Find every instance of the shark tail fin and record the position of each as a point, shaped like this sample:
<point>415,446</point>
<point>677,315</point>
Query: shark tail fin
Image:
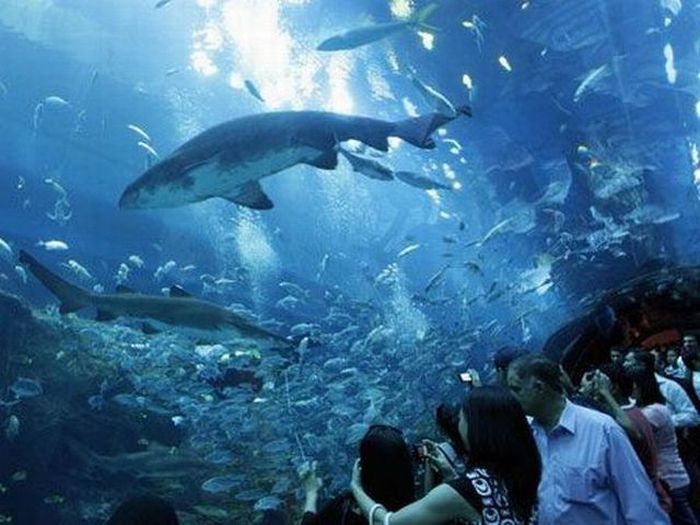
<point>419,19</point>
<point>72,297</point>
<point>417,130</point>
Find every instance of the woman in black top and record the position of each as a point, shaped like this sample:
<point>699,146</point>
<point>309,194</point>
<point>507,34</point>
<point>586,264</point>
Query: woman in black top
<point>388,476</point>
<point>503,470</point>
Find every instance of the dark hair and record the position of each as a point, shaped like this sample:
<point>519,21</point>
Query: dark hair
<point>144,510</point>
<point>387,468</point>
<point>620,349</point>
<point>505,355</point>
<point>688,356</point>
<point>500,440</point>
<point>541,368</point>
<point>646,359</point>
<point>447,420</point>
<point>647,387</point>
<point>619,378</point>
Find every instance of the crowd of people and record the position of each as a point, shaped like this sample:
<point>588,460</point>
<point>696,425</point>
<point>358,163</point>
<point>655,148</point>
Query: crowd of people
<point>621,447</point>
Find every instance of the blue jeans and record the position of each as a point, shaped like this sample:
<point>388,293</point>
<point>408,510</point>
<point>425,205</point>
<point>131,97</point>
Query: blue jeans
<point>682,512</point>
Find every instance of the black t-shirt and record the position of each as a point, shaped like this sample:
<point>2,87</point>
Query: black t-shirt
<point>488,496</point>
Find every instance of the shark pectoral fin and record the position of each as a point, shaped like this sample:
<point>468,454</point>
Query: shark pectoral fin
<point>327,160</point>
<point>178,291</point>
<point>103,315</point>
<point>252,196</point>
<point>377,139</point>
<point>123,289</point>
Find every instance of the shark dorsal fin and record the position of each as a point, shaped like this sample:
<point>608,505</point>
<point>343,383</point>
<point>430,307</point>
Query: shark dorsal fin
<point>124,289</point>
<point>178,291</point>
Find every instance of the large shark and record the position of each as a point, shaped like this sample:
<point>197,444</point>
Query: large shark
<point>229,160</point>
<point>180,309</point>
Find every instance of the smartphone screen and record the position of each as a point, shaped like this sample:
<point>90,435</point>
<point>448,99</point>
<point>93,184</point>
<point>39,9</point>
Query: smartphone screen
<point>465,377</point>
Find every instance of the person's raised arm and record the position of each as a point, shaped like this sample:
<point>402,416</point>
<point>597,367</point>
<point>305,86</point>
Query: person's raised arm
<point>439,506</point>
<point>311,484</point>
<point>601,385</point>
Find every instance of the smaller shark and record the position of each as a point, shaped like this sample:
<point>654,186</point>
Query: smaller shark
<point>180,309</point>
<point>367,35</point>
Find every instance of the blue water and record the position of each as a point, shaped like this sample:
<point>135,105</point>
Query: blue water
<point>577,171</point>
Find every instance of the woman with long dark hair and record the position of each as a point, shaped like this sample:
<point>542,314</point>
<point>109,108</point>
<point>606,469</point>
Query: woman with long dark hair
<point>388,477</point>
<point>671,470</point>
<point>503,470</point>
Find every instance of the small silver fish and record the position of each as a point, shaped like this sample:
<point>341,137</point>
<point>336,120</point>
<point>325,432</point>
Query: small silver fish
<point>148,148</point>
<point>53,245</point>
<point>437,278</point>
<point>420,181</point>
<point>408,249</point>
<point>19,270</point>
<point>367,166</point>
<point>139,131</point>
<point>434,98</point>
<point>253,90</point>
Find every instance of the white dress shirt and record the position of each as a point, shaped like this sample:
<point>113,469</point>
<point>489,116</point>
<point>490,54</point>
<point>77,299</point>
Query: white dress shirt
<point>682,409</point>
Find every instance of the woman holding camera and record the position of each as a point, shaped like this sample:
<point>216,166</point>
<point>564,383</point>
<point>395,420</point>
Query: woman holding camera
<point>503,470</point>
<point>388,477</point>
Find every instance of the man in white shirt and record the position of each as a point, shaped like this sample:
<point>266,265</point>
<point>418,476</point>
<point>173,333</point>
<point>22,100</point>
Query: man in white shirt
<point>683,411</point>
<point>591,474</point>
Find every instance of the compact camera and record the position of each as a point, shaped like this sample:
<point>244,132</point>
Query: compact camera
<point>420,451</point>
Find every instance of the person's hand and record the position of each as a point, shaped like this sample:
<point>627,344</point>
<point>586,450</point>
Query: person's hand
<point>587,386</point>
<point>356,480</point>
<point>437,459</point>
<point>310,480</point>
<point>602,383</point>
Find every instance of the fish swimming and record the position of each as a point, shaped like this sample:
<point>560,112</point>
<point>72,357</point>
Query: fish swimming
<point>420,181</point>
<point>229,160</point>
<point>78,269</point>
<point>6,251</point>
<point>408,249</point>
<point>369,167</point>
<point>253,90</point>
<point>592,79</point>
<point>180,309</point>
<point>434,98</point>
<point>367,35</point>
<point>436,279</point>
<point>53,245</point>
<point>140,132</point>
